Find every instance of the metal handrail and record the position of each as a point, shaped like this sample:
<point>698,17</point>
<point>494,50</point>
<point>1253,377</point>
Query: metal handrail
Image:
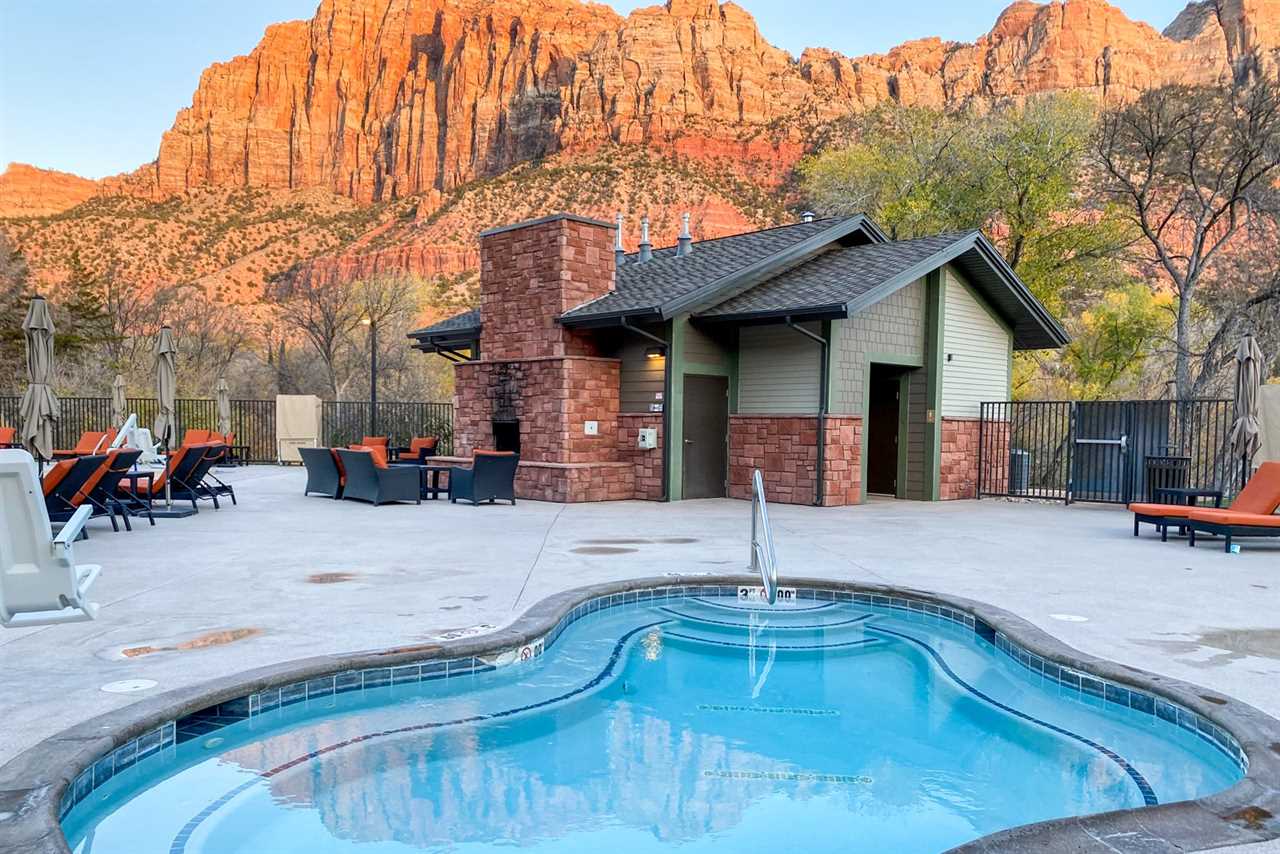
<point>763,558</point>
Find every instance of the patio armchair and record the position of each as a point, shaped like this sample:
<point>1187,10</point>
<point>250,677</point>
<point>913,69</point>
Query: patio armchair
<point>40,582</point>
<point>8,437</point>
<point>492,476</point>
<point>419,449</point>
<point>323,476</point>
<point>380,441</point>
<point>1259,498</point>
<point>366,480</point>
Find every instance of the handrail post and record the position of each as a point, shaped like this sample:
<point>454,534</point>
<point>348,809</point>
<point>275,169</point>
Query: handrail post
<point>763,558</point>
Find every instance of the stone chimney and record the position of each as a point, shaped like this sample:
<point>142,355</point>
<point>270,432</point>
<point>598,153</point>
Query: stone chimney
<point>684,244</point>
<point>530,274</point>
<point>646,248</point>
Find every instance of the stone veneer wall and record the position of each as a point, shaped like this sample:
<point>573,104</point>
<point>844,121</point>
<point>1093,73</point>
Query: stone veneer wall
<point>958,464</point>
<point>785,449</point>
<point>647,465</point>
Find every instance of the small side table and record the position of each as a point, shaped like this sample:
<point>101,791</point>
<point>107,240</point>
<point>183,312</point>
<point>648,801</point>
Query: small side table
<point>136,504</point>
<point>433,492</point>
<point>1187,496</point>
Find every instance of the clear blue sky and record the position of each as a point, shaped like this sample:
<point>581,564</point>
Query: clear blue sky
<point>88,86</point>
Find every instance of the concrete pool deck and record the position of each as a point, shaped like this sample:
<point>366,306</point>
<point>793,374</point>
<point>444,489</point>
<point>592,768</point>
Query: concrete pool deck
<point>283,577</point>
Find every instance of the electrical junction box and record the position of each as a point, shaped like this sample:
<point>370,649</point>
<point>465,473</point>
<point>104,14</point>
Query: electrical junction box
<point>648,438</point>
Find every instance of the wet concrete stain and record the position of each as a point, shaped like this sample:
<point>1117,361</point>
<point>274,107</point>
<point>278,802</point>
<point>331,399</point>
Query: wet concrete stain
<point>330,577</point>
<point>1253,817</point>
<point>617,542</point>
<point>202,642</point>
<point>602,550</point>
<point>1217,701</point>
<point>678,541</point>
<point>1230,644</point>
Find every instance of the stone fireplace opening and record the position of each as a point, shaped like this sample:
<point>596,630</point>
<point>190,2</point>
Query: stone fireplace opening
<point>506,435</point>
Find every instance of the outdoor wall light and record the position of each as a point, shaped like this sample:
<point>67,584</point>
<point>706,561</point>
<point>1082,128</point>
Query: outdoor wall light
<point>653,353</point>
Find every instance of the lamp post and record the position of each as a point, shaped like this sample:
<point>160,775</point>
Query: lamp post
<point>373,374</point>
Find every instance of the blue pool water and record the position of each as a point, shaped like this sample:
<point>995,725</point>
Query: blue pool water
<point>697,724</point>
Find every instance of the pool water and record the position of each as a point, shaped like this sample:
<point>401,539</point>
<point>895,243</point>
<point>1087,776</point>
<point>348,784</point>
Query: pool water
<point>698,724</point>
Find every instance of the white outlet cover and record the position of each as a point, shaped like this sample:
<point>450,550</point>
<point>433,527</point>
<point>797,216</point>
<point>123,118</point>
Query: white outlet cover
<point>591,428</point>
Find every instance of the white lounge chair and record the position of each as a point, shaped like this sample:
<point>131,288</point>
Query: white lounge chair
<point>40,583</point>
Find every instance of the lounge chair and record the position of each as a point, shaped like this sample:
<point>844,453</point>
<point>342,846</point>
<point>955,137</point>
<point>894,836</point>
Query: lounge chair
<point>323,476</point>
<point>8,437</point>
<point>1261,495</point>
<point>193,485</point>
<point>104,497</point>
<point>90,443</point>
<point>40,583</point>
<point>67,485</point>
<point>366,480</point>
<point>492,476</point>
<point>196,437</point>
<point>177,471</point>
<point>1252,514</point>
<point>419,449</point>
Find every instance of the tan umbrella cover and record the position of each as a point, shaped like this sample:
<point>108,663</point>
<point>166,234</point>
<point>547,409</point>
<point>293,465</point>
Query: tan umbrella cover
<point>222,398</point>
<point>40,411</point>
<point>118,402</point>
<point>1246,431</point>
<point>166,426</point>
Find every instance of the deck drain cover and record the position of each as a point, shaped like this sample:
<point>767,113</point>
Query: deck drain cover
<point>128,686</point>
<point>1069,618</point>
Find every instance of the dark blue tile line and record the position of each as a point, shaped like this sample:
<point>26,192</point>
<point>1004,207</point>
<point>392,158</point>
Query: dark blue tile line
<point>780,627</point>
<point>179,844</point>
<point>807,647</point>
<point>1148,794</point>
<point>702,601</point>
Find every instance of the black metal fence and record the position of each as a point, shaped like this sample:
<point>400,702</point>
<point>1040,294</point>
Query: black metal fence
<point>1106,451</point>
<point>344,422</point>
<point>253,421</point>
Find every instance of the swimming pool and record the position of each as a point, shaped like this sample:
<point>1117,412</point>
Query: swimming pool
<point>655,721</point>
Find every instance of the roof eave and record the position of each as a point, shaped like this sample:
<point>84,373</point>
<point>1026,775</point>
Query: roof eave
<point>610,318</point>
<point>835,311</point>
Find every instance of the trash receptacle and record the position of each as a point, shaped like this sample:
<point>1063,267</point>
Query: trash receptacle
<point>1165,471</point>
<point>1019,471</point>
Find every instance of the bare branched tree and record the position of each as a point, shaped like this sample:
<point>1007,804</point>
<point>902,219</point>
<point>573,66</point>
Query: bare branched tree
<point>1193,168</point>
<point>325,314</point>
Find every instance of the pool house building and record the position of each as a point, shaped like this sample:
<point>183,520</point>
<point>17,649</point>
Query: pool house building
<point>839,362</point>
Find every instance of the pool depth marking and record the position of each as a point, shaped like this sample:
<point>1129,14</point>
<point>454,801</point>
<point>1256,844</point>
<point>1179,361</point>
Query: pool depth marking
<point>702,601</point>
<point>782,627</point>
<point>179,844</point>
<point>1148,794</point>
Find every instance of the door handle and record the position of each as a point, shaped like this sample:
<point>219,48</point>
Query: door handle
<point>688,441</point>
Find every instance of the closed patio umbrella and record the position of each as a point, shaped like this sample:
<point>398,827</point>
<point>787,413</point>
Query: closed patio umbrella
<point>40,410</point>
<point>222,398</point>
<point>1246,431</point>
<point>118,402</point>
<point>166,426</point>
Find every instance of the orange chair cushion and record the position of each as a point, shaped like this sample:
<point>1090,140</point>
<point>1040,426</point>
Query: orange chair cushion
<point>195,437</point>
<point>84,447</point>
<point>418,445</point>
<point>378,452</point>
<point>55,475</point>
<point>1261,495</point>
<point>493,454</point>
<point>1168,511</point>
<point>157,483</point>
<point>375,440</point>
<point>342,472</point>
<point>8,435</point>
<point>92,483</point>
<point>1235,517</point>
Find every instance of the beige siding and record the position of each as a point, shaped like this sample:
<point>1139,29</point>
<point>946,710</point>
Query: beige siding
<point>703,349</point>
<point>894,325</point>
<point>777,370</point>
<point>976,350</point>
<point>641,377</point>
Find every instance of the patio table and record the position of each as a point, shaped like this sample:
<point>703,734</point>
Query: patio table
<point>1189,496</point>
<point>136,505</point>
<point>431,489</point>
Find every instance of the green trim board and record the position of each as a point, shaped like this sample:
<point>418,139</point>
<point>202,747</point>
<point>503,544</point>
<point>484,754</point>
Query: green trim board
<point>681,366</point>
<point>935,313</point>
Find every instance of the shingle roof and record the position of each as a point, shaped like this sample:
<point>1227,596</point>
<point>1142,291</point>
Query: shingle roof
<point>458,325</point>
<point>835,277</point>
<point>667,276</point>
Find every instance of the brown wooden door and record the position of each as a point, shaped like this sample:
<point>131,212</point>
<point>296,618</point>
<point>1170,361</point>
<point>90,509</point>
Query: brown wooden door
<point>882,432</point>
<point>706,436</point>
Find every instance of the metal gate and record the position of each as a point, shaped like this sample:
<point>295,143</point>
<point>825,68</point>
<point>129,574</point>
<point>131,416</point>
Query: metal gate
<point>1105,451</point>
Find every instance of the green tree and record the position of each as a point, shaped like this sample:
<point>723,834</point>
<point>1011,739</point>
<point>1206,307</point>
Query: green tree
<point>1017,172</point>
